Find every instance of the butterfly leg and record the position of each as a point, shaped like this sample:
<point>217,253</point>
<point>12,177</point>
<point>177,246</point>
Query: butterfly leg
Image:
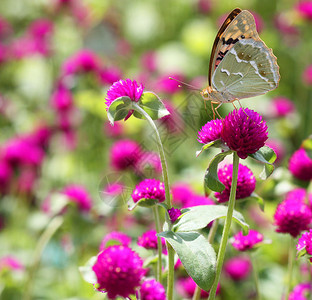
<point>212,109</point>
<point>241,107</point>
<point>216,109</point>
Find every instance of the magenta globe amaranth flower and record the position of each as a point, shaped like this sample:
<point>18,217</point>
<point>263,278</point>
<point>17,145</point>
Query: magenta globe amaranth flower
<point>148,240</point>
<point>196,200</point>
<point>300,165</point>
<point>244,131</point>
<point>246,182</point>
<point>181,193</point>
<point>174,214</point>
<point>245,242</point>
<point>124,88</point>
<point>79,195</point>
<point>119,271</point>
<point>211,131</point>
<point>149,189</point>
<point>305,242</point>
<point>304,9</point>
<point>115,237</point>
<point>301,291</point>
<point>125,154</point>
<point>292,217</point>
<point>10,262</point>
<point>238,267</point>
<point>282,107</point>
<point>152,290</point>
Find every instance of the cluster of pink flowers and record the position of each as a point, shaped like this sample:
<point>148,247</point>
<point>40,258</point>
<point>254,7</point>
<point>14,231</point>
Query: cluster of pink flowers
<point>21,158</point>
<point>149,189</point>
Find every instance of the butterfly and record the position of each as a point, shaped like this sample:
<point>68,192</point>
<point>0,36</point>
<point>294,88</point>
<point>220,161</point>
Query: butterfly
<point>241,65</point>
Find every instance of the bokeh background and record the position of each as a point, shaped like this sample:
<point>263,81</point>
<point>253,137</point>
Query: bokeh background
<point>57,60</point>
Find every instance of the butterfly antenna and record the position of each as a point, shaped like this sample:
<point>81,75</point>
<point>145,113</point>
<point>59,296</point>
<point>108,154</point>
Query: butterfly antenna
<point>186,84</point>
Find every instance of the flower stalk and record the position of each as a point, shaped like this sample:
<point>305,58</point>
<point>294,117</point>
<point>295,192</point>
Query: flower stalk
<point>227,227</point>
<point>291,257</point>
<point>159,245</point>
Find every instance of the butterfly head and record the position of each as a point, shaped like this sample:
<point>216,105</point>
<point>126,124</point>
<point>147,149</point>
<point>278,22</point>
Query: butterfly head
<point>206,93</point>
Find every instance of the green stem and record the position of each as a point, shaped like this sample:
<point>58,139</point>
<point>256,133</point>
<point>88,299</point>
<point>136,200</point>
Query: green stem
<point>161,152</point>
<point>291,256</point>
<point>45,237</point>
<point>170,278</point>
<point>159,246</point>
<point>226,229</point>
<point>196,295</point>
<point>255,274</point>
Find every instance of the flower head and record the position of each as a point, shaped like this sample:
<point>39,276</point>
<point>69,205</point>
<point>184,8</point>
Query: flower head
<point>196,200</point>
<point>238,268</point>
<point>300,165</point>
<point>246,182</point>
<point>124,88</point>
<point>79,195</point>
<point>166,85</point>
<point>148,240</point>
<point>292,217</point>
<point>186,288</point>
<point>244,131</point>
<point>11,263</point>
<point>245,242</point>
<point>181,193</point>
<point>305,241</point>
<point>149,189</point>
<point>211,131</point>
<point>282,107</point>
<point>119,271</point>
<point>174,214</point>
<point>62,98</point>
<point>300,291</point>
<point>109,75</point>
<point>125,154</point>
<point>307,74</point>
<point>152,290</point>
<point>304,9</point>
<point>115,237</point>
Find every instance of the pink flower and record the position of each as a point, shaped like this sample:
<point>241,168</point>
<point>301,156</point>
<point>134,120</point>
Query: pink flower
<point>152,290</point>
<point>114,238</point>
<point>211,131</point>
<point>238,267</point>
<point>174,214</point>
<point>148,61</point>
<point>204,6</point>
<point>292,217</point>
<point>125,154</point>
<point>109,75</point>
<point>124,88</point>
<point>300,165</point>
<point>6,173</point>
<point>149,164</point>
<point>181,193</point>
<point>148,240</point>
<point>173,122</point>
<point>305,241</point>
<point>244,131</point>
<point>119,271</point>
<point>246,182</point>
<point>62,99</point>
<point>79,195</point>
<point>186,288</point>
<point>115,130</point>
<point>246,242</point>
<point>196,200</point>
<point>300,291</point>
<point>307,75</point>
<point>11,263</point>
<point>282,107</point>
<point>166,85</point>
<point>149,189</point>
<point>82,61</point>
<point>40,28</point>
<point>304,9</point>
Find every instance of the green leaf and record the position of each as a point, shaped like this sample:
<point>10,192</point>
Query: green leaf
<point>254,197</point>
<point>215,144</point>
<point>86,271</point>
<point>307,145</point>
<point>211,180</point>
<point>301,252</point>
<point>267,156</point>
<point>119,109</point>
<point>196,254</point>
<point>142,202</point>
<point>152,105</point>
<point>198,217</point>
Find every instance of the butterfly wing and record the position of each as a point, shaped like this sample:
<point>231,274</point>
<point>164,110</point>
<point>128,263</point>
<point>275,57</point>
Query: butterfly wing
<point>248,69</point>
<point>237,26</point>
